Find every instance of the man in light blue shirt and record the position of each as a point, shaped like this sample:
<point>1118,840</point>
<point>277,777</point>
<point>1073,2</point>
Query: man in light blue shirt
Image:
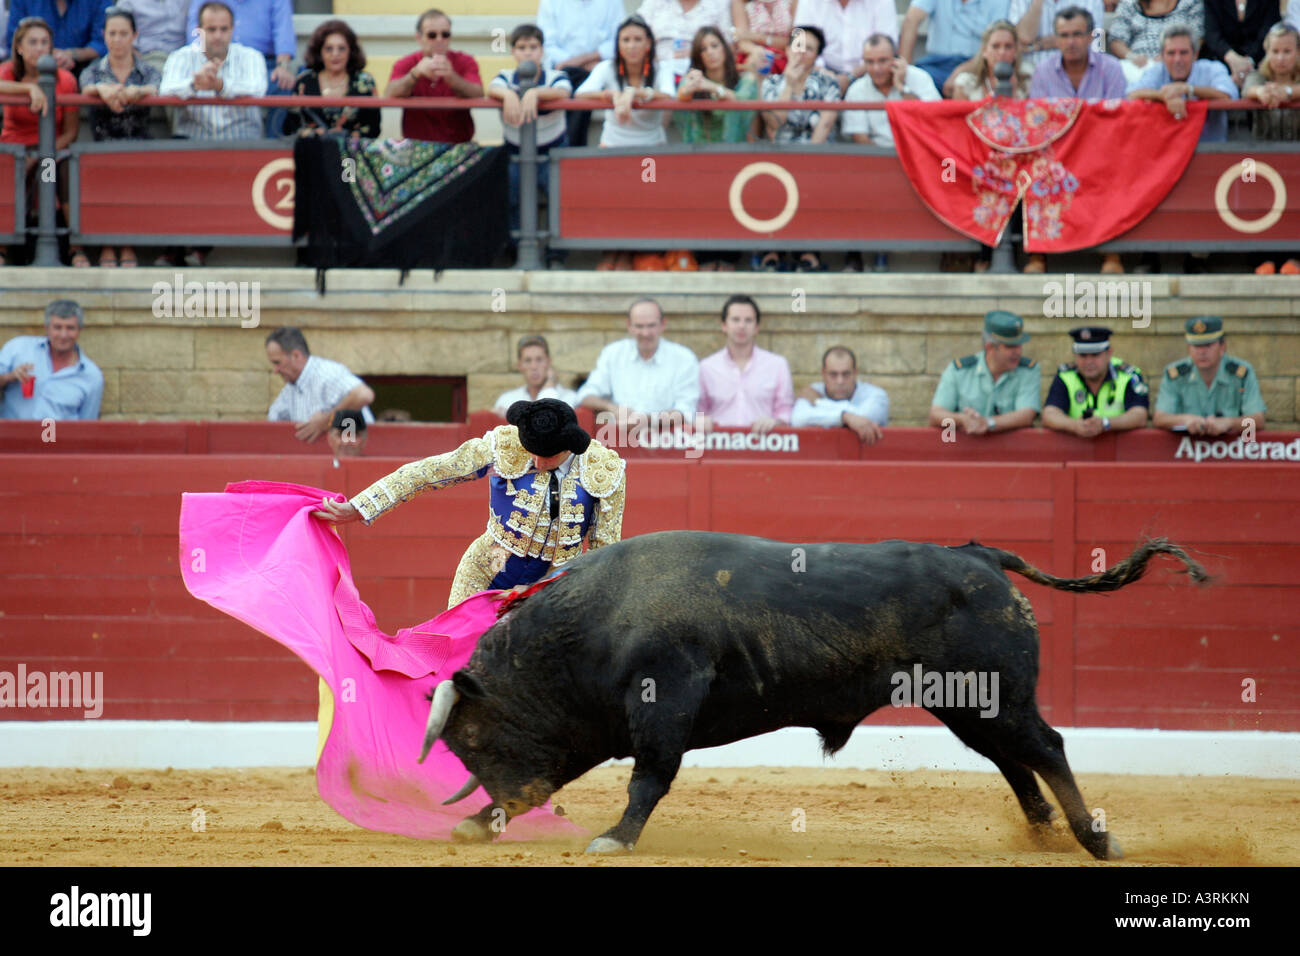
<point>1076,70</point>
<point>955,31</point>
<point>1179,76</point>
<point>840,399</point>
<point>63,383</point>
<point>579,34</point>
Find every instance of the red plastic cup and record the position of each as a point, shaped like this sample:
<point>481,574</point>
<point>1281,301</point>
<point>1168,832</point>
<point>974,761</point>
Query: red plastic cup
<point>29,387</point>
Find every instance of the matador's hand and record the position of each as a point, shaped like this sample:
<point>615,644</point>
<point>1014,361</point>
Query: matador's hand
<point>339,512</point>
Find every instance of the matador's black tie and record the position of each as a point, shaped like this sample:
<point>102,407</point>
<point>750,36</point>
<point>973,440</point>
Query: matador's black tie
<point>554,491</point>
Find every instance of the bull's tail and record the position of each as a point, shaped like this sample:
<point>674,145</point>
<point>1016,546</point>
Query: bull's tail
<point>1113,578</point>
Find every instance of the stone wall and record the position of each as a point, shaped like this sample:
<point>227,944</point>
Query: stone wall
<point>903,327</point>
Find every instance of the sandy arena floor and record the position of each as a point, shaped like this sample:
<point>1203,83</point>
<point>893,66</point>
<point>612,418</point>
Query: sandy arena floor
<point>711,818</point>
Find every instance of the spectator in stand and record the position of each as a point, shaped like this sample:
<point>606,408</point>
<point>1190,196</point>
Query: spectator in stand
<point>315,388</point>
<point>954,37</point>
<point>335,65</point>
<point>1096,393</point>
<point>631,77</point>
<point>715,75</point>
<point>215,66</point>
<point>32,40</point>
<point>265,26</point>
<point>889,77</point>
<point>742,385</point>
<point>674,24</point>
<point>1277,81</point>
<point>1209,392</point>
<point>526,45</point>
<point>644,374</point>
<point>1137,25</point>
<point>762,29</point>
<point>49,376</point>
<point>579,34</point>
<point>998,45</point>
<point>1179,76</point>
<point>76,28</point>
<point>1235,31</point>
<point>436,70</point>
<point>534,363</point>
<point>161,26</point>
<point>802,80</point>
<point>120,79</point>
<point>840,399</point>
<point>998,391</point>
<point>1035,24</point>
<point>846,24</point>
<point>347,435</point>
<point>1077,70</point>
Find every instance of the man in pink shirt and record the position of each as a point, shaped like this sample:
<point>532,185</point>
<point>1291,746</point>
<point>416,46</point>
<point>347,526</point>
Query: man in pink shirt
<point>743,386</point>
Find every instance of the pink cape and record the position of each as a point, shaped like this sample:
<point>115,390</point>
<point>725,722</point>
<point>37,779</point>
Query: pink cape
<point>256,553</point>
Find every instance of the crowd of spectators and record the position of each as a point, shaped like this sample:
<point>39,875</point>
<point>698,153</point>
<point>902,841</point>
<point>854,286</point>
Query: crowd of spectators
<point>811,51</point>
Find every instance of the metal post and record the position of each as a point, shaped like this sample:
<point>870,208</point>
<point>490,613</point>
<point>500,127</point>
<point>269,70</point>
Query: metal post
<point>1004,255</point>
<point>47,236</point>
<point>528,252</point>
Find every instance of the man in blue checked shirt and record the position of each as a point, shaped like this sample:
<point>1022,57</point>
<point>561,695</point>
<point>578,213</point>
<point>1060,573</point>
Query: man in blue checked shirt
<point>78,30</point>
<point>48,376</point>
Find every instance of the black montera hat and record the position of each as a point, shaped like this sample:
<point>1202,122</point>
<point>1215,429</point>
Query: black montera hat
<point>548,427</point>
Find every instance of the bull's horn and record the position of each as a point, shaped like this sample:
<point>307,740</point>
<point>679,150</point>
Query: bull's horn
<point>445,696</point>
<point>470,786</point>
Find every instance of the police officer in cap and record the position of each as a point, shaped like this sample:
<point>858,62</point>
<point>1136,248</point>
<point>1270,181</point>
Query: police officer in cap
<point>1096,392</point>
<point>994,392</point>
<point>1210,392</point>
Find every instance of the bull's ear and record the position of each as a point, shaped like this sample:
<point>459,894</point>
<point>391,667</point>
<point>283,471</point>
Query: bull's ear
<point>468,685</point>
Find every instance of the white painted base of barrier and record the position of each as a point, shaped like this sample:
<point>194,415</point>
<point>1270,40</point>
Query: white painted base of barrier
<point>200,745</point>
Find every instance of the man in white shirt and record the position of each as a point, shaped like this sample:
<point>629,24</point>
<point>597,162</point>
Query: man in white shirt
<point>889,77</point>
<point>216,66</point>
<point>645,374</point>
<point>840,399</point>
<point>534,363</point>
<point>315,388</point>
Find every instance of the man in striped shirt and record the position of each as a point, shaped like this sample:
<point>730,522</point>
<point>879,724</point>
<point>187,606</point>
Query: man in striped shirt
<point>215,66</point>
<point>315,388</point>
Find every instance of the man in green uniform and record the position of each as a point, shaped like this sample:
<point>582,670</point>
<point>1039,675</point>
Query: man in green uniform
<point>1096,392</point>
<point>994,392</point>
<point>1211,392</point>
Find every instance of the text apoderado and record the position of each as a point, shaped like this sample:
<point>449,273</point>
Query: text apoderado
<point>1202,450</point>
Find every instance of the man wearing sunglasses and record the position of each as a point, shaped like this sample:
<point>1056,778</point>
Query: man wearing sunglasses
<point>436,70</point>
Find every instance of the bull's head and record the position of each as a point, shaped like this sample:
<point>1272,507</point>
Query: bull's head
<point>510,763</point>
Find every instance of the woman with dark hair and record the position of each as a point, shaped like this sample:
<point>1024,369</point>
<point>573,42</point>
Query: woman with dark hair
<point>121,79</point>
<point>335,66</point>
<point>631,77</point>
<point>33,39</point>
<point>552,487</point>
<point>714,75</point>
<point>1235,31</point>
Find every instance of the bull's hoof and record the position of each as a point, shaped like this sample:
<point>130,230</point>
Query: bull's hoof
<point>604,844</point>
<point>1114,850</point>
<point>471,831</point>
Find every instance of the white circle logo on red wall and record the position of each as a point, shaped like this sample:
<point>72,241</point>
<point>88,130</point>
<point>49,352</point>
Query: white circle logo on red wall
<point>277,209</point>
<point>1230,218</point>
<point>781,175</point>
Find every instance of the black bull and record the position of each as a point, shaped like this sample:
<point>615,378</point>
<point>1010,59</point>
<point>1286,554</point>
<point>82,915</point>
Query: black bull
<point>669,642</point>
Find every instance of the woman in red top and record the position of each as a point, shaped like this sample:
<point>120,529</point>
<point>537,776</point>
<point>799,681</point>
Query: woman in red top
<point>32,40</point>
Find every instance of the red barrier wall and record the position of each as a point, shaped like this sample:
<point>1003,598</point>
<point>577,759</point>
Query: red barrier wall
<point>89,577</point>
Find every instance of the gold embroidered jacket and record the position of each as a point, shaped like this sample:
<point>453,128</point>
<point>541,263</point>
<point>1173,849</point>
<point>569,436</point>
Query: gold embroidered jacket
<point>591,494</point>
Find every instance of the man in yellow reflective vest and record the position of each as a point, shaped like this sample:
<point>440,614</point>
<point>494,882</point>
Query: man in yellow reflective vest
<point>1096,393</point>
